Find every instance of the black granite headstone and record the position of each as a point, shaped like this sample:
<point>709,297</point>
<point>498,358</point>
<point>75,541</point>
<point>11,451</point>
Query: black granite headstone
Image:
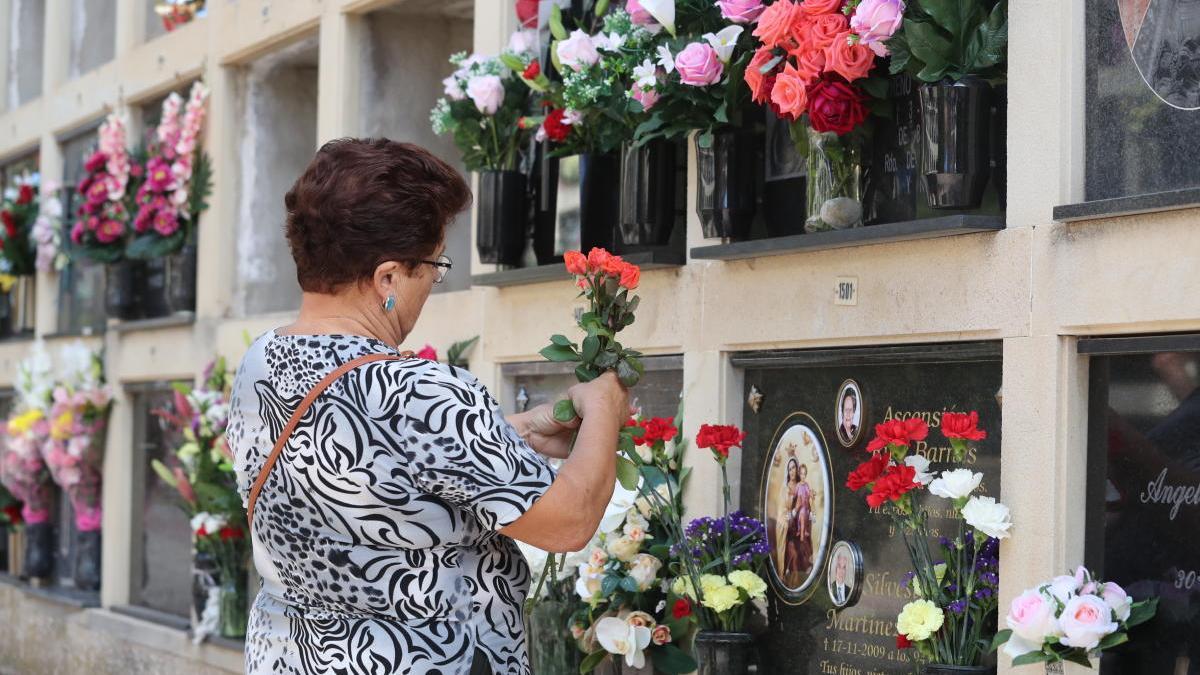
<point>803,401</point>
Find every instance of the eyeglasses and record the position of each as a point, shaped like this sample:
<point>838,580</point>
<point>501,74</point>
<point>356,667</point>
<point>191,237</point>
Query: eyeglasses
<point>443,265</point>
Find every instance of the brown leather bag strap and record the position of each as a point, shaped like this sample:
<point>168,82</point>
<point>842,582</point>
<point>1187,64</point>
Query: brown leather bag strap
<point>295,419</point>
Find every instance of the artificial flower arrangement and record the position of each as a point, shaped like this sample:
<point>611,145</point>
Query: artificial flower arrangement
<point>18,211</point>
<point>22,469</point>
<point>100,230</point>
<point>47,229</point>
<point>952,618</point>
<point>78,416</point>
<point>1072,618</point>
<point>481,110</point>
<point>177,179</point>
<point>175,13</point>
<point>630,613</point>
<point>942,39</point>
<point>202,473</point>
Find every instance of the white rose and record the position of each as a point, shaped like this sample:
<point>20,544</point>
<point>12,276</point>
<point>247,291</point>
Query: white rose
<point>453,89</point>
<point>487,91</point>
<point>588,583</point>
<point>1063,587</point>
<point>644,570</point>
<point>921,465</point>
<point>1118,600</point>
<point>645,454</point>
<point>624,548</point>
<point>634,519</point>
<point>523,41</point>
<point>988,516</point>
<point>955,484</point>
<point>578,51</point>
<point>1085,621</point>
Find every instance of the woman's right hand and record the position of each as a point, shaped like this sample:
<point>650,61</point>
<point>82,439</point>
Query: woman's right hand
<point>603,397</point>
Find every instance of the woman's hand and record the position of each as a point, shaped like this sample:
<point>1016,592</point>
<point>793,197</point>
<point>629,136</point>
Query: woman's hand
<point>545,434</point>
<point>602,398</point>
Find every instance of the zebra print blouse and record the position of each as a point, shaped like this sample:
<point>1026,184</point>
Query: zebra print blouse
<point>375,534</point>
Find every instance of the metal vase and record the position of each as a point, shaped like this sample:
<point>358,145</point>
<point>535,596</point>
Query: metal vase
<point>649,188</point>
<point>955,128</point>
<point>121,282</point>
<point>500,224</point>
<point>722,653</point>
<point>726,197</point>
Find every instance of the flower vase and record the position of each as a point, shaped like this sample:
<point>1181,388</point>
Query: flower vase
<point>834,182</point>
<point>722,653</point>
<point>940,669</point>
<point>87,561</point>
<point>6,314</point>
<point>121,290</point>
<point>181,279</point>
<point>204,575</point>
<point>651,184</point>
<point>154,288</point>
<point>726,198</point>
<point>551,649</point>
<point>955,126</point>
<point>599,200</point>
<point>500,219</point>
<point>39,550</point>
<point>233,605</point>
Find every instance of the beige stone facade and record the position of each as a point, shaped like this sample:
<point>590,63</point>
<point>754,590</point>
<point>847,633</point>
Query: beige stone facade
<point>1036,286</point>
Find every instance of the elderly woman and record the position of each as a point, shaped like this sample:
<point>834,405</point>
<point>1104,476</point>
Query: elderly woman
<point>383,515</point>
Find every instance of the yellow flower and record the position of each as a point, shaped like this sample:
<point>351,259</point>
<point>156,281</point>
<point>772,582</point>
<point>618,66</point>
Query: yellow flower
<point>60,429</point>
<point>711,582</point>
<point>919,620</point>
<point>23,423</point>
<point>682,587</point>
<point>750,582</point>
<point>7,281</point>
<point>722,598</point>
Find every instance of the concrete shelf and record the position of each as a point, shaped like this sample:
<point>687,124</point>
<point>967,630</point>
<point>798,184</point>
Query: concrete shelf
<point>944,226</point>
<point>647,260</point>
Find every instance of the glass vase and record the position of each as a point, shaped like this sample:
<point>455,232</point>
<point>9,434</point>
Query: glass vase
<point>552,651</point>
<point>723,653</point>
<point>834,182</point>
<point>233,605</point>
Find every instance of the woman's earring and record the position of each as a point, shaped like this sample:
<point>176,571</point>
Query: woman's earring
<point>390,303</point>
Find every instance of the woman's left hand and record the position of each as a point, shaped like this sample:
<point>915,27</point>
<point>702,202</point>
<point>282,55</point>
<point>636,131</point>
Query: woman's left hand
<point>544,433</point>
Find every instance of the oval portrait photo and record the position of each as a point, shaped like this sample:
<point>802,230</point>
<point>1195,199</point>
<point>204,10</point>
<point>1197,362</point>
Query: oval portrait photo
<point>797,489</point>
<point>849,413</point>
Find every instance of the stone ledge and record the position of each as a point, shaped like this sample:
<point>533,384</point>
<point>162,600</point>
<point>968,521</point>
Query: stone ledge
<point>152,634</point>
<point>1128,206</point>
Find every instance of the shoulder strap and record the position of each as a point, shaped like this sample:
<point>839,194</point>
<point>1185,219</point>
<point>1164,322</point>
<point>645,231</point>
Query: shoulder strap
<point>295,419</point>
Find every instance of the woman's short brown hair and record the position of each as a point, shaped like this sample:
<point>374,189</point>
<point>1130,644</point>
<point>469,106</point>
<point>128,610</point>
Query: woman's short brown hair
<point>363,202</point>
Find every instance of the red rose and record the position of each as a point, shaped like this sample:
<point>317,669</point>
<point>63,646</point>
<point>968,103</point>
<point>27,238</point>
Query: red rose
<point>657,429</point>
<point>556,130</point>
<point>428,353</point>
<point>758,81</point>
<point>25,195</point>
<point>898,432</point>
<point>230,532</point>
<point>576,263</point>
<point>868,471</point>
<point>532,70</point>
<point>835,106</point>
<point>682,609</point>
<point>13,513</point>
<point>893,485</point>
<point>10,224</point>
<point>527,13</point>
<point>631,276</point>
<point>201,532</point>
<point>962,425</point>
<point>902,642</point>
<point>719,439</point>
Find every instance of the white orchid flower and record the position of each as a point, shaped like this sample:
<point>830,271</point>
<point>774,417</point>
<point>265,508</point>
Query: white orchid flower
<point>666,59</point>
<point>609,43</point>
<point>724,41</point>
<point>614,515</point>
<point>617,636</point>
<point>663,12</point>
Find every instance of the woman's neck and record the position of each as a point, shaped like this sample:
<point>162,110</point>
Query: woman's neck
<point>345,313</point>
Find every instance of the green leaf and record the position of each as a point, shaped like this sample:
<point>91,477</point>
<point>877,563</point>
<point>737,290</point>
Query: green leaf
<point>672,660</point>
<point>955,16</point>
<point>564,411</point>
<point>1113,639</point>
<point>455,354</point>
<point>629,584</point>
<point>1141,612</point>
<point>877,86</point>
<point>722,113</point>
<point>627,374</point>
<point>561,341</point>
<point>1077,656</point>
<point>559,354</point>
<point>556,25</point>
<point>607,360</point>
<point>900,53</point>
<point>627,473</point>
<point>592,660</point>
<point>1001,638</point>
<point>661,551</point>
<point>164,474</point>
<point>586,373</point>
<point>512,62</point>
<point>152,245</point>
<point>609,584</point>
<point>1031,657</point>
<point>988,44</point>
<point>931,46</point>
<point>601,8</point>
<point>591,348</point>
<point>705,140</point>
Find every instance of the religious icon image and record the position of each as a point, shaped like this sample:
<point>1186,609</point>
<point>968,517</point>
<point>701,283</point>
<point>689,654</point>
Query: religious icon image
<point>849,413</point>
<point>797,492</point>
<point>843,578</point>
<point>1164,42</point>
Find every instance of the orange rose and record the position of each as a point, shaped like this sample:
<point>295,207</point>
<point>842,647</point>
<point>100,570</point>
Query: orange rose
<point>814,7</point>
<point>755,78</point>
<point>576,263</point>
<point>613,266</point>
<point>851,61</point>
<point>810,65</point>
<point>826,28</point>
<point>631,276</point>
<point>596,259</point>
<point>775,23</point>
<point>789,93</point>
<point>801,37</point>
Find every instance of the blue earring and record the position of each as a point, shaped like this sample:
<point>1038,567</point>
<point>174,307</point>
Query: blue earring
<point>390,303</point>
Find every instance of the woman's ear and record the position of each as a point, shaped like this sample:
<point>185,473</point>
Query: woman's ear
<point>386,281</point>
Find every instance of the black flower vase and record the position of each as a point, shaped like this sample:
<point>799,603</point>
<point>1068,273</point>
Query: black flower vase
<point>599,200</point>
<point>121,289</point>
<point>500,224</point>
<point>181,279</point>
<point>3,548</point>
<point>955,128</point>
<point>87,561</point>
<point>546,234</point>
<point>999,144</point>
<point>722,653</point>
<point>650,185</point>
<point>154,288</point>
<point>726,172</point>
<point>39,551</point>
<point>6,314</point>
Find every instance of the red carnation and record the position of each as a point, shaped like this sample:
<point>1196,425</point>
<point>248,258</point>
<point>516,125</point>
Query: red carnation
<point>868,471</point>
<point>682,609</point>
<point>835,106</point>
<point>902,641</point>
<point>25,195</point>
<point>13,513</point>
<point>657,429</point>
<point>962,425</point>
<point>898,432</point>
<point>10,224</point>
<point>893,485</point>
<point>532,70</point>
<point>229,532</point>
<point>556,129</point>
<point>719,439</point>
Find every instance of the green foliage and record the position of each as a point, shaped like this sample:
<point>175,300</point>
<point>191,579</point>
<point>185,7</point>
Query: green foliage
<point>952,39</point>
<point>150,245</point>
<point>457,354</point>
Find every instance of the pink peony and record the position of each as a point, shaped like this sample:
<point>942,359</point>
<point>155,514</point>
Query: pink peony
<point>95,162</point>
<point>741,11</point>
<point>1085,621</point>
<point>487,92</point>
<point>578,51</point>
<point>109,231</point>
<point>158,175</point>
<point>647,97</point>
<point>699,65</point>
<point>166,223</point>
<point>428,353</point>
<point>637,13</point>
<point>875,21</point>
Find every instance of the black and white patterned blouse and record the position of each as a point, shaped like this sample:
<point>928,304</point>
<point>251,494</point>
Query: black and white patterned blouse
<point>375,534</point>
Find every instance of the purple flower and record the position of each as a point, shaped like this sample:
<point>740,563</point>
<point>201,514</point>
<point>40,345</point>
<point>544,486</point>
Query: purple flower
<point>958,606</point>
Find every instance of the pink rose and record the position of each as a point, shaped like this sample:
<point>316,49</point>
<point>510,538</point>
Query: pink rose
<point>647,97</point>
<point>1031,618</point>
<point>638,14</point>
<point>428,353</point>
<point>1085,621</point>
<point>487,92</point>
<point>1118,600</point>
<point>578,51</point>
<point>661,635</point>
<point>741,11</point>
<point>876,20</point>
<point>699,65</point>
